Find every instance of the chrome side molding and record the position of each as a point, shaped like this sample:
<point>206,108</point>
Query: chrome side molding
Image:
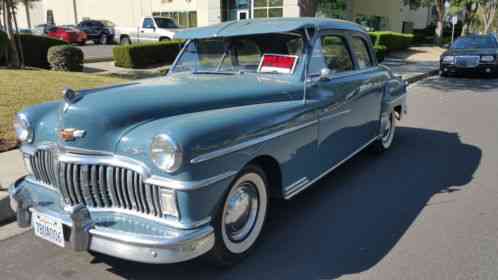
<point>247,144</point>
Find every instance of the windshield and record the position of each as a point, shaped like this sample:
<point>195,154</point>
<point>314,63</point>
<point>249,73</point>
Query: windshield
<point>475,43</point>
<point>165,22</point>
<point>236,54</point>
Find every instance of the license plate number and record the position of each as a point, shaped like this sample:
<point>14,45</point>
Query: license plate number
<point>48,229</point>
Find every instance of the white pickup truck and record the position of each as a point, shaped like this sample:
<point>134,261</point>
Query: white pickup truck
<point>151,29</point>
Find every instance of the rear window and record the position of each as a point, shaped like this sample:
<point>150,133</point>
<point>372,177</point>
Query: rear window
<point>475,43</point>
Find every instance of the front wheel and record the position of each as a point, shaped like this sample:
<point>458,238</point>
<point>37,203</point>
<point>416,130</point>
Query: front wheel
<point>241,217</point>
<point>388,131</point>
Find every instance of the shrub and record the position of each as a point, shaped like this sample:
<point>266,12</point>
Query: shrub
<point>380,52</point>
<point>65,58</point>
<point>4,46</point>
<point>146,55</point>
<point>35,49</point>
<point>391,40</point>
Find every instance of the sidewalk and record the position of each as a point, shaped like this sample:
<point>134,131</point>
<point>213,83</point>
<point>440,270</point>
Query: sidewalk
<point>11,169</point>
<point>415,63</point>
<point>107,68</point>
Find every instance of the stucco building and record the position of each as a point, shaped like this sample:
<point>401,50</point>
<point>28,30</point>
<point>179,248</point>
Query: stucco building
<point>380,14</point>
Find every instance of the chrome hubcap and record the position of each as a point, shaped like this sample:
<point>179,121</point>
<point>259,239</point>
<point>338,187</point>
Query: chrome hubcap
<point>241,212</point>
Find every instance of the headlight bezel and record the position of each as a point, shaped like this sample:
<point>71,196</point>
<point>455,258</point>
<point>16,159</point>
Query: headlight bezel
<point>163,145</point>
<point>448,59</point>
<point>23,128</point>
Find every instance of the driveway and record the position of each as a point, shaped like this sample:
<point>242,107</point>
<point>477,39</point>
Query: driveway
<point>94,52</point>
<point>424,210</point>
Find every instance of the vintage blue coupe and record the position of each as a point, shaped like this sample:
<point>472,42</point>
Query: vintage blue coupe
<point>167,169</point>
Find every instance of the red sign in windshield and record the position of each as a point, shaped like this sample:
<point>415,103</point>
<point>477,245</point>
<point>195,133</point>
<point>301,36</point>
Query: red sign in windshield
<point>276,63</point>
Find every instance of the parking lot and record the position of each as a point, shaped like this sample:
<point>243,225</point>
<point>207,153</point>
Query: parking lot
<point>425,210</point>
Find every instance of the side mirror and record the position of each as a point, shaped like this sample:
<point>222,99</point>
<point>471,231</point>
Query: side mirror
<point>325,74</point>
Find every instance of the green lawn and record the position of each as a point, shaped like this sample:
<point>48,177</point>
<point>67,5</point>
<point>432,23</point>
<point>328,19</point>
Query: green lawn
<point>23,88</point>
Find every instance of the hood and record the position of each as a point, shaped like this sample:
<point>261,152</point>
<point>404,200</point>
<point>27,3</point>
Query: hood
<point>106,114</point>
<point>471,52</point>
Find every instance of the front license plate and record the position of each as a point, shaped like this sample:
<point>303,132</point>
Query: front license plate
<point>48,229</point>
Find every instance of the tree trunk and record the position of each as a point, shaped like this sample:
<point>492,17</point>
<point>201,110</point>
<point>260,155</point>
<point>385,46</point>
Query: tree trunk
<point>440,11</point>
<point>28,15</point>
<point>307,8</point>
<point>13,57</point>
<point>488,15</point>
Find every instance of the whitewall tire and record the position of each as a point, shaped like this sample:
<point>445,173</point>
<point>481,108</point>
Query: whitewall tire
<point>241,217</point>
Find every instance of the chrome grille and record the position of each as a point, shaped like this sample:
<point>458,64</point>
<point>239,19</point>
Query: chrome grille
<point>467,61</point>
<point>97,186</point>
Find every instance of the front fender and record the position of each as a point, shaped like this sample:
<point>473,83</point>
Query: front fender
<point>42,118</point>
<point>216,141</point>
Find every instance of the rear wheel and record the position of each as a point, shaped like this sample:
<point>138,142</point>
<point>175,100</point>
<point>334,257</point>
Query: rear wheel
<point>241,217</point>
<point>387,134</point>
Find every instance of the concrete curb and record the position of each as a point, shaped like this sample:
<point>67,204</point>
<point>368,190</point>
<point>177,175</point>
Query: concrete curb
<point>423,76</point>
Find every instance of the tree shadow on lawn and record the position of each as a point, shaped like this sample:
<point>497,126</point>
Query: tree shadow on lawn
<point>348,221</point>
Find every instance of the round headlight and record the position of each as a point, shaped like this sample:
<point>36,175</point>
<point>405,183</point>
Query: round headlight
<point>23,129</point>
<point>165,153</point>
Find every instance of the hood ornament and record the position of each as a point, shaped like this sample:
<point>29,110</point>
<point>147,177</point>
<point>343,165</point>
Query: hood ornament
<point>71,96</point>
<point>71,134</point>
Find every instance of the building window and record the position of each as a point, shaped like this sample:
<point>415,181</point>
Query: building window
<point>268,8</point>
<point>184,19</point>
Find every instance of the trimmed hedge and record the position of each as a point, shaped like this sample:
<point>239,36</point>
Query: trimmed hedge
<point>380,52</point>
<point>66,58</point>
<point>4,45</point>
<point>35,49</point>
<point>146,55</point>
<point>391,40</point>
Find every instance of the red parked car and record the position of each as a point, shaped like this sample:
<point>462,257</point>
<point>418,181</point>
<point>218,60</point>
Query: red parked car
<point>69,35</point>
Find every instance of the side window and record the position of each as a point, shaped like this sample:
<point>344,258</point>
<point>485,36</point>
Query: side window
<point>360,50</point>
<point>331,52</point>
<point>148,23</point>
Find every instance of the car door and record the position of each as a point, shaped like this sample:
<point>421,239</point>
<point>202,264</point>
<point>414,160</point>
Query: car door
<point>335,87</point>
<point>366,104</point>
<point>148,30</point>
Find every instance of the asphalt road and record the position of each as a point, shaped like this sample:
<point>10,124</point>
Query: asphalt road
<point>427,209</point>
<point>92,51</point>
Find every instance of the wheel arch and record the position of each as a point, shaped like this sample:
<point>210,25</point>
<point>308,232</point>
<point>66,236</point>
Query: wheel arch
<point>273,173</point>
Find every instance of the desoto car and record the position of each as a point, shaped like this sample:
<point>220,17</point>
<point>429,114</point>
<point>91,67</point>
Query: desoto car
<point>167,169</point>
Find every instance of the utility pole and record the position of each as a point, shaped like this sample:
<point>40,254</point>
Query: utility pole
<point>75,9</point>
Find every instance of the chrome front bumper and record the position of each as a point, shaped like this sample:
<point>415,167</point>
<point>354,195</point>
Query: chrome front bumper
<point>117,234</point>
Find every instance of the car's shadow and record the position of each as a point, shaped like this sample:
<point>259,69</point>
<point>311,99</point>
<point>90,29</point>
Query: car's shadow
<point>348,221</point>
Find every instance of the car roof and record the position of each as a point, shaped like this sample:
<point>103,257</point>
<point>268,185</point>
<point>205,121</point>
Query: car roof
<point>265,26</point>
